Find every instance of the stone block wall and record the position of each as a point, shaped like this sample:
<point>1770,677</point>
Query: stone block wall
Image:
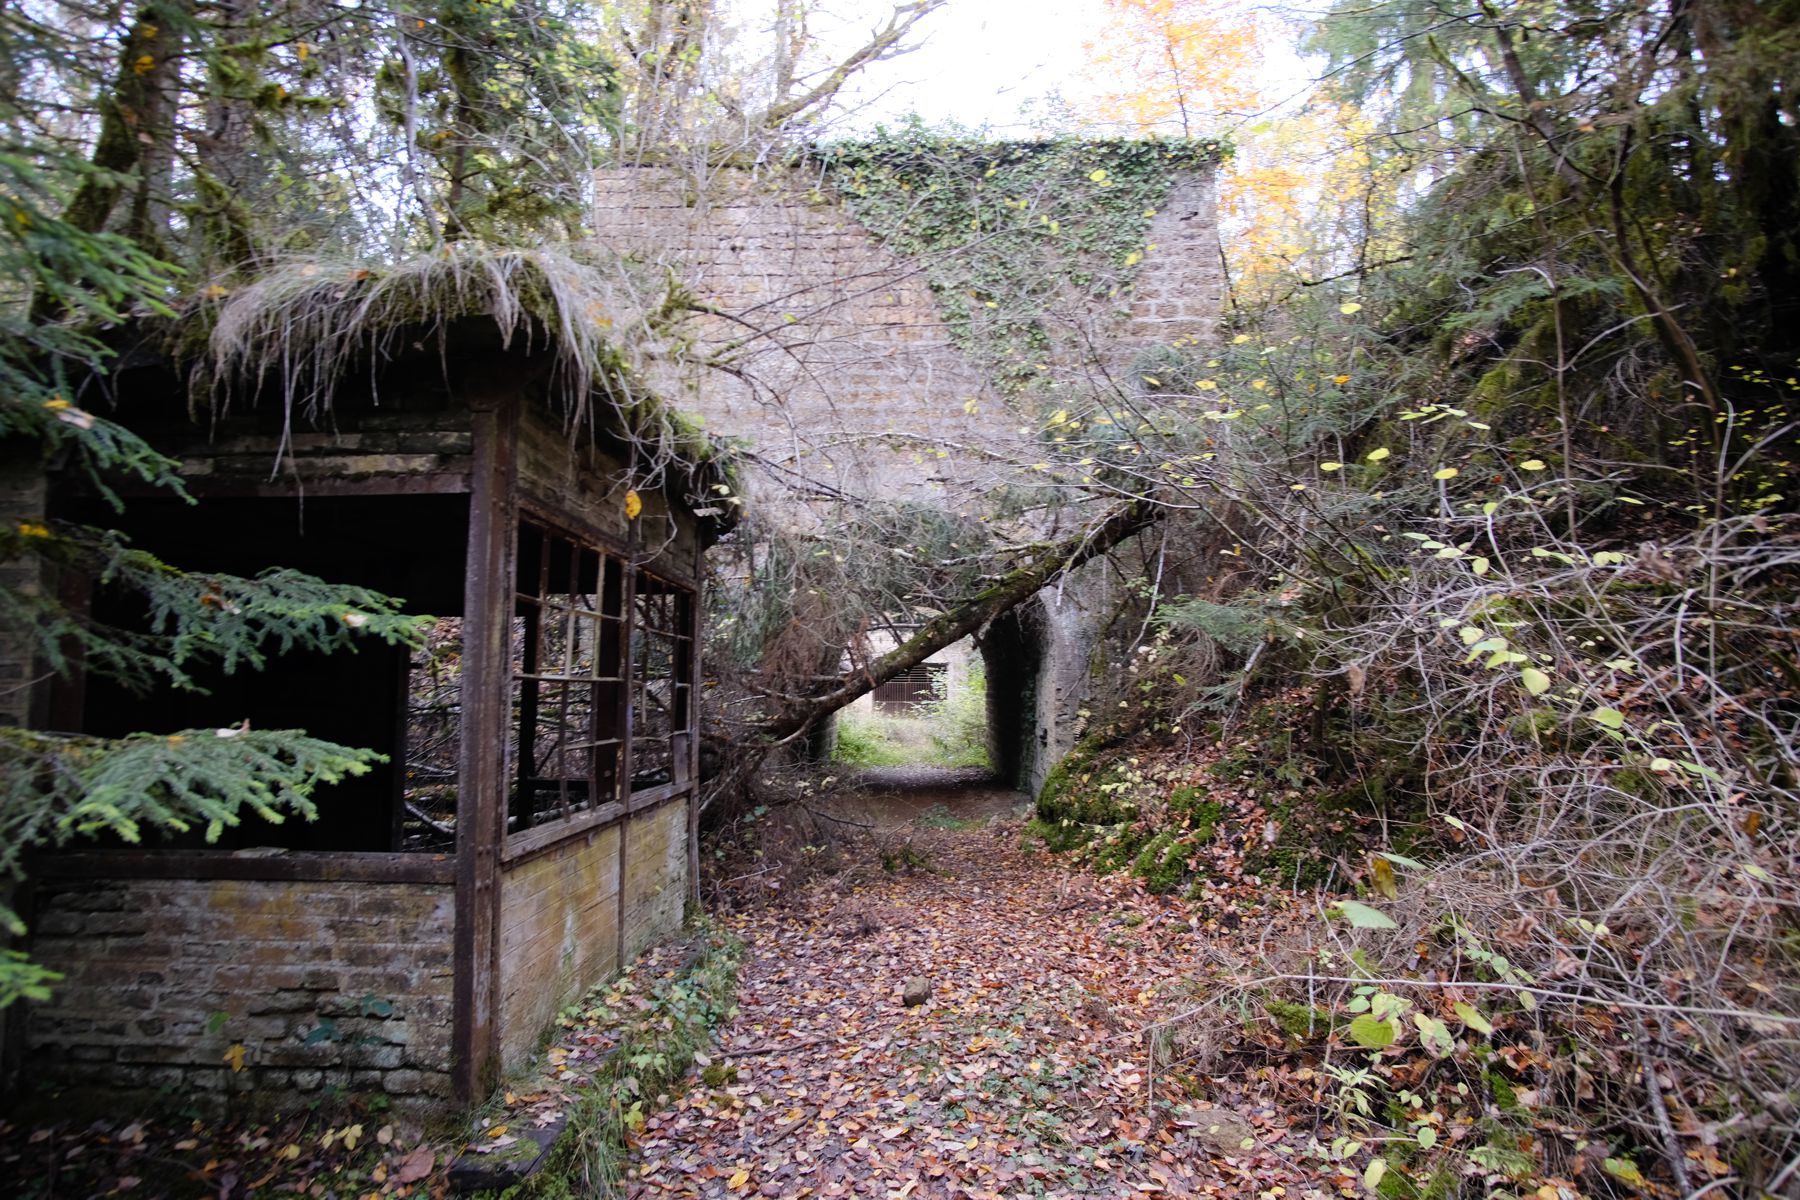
<point>850,376</point>
<point>846,369</point>
<point>1179,293</point>
<point>162,978</point>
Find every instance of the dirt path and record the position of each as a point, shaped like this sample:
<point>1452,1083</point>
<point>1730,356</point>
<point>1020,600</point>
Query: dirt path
<point>1025,1072</point>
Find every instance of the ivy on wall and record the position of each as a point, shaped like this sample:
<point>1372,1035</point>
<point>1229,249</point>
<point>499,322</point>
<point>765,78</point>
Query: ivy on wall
<point>1013,238</point>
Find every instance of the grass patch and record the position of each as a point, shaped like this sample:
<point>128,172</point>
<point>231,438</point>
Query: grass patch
<point>940,817</point>
<point>949,730</point>
<point>657,1044</point>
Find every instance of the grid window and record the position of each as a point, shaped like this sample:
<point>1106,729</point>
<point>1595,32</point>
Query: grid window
<point>662,675</point>
<point>568,680</point>
<point>602,680</point>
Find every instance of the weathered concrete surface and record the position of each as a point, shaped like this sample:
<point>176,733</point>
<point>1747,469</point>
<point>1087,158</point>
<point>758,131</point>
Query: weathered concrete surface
<point>559,931</point>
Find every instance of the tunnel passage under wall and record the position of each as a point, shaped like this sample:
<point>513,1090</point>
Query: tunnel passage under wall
<point>1011,652</point>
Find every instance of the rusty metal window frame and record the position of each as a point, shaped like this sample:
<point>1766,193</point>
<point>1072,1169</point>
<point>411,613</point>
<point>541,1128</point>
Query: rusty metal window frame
<point>601,686</point>
<point>568,678</point>
<point>662,684</point>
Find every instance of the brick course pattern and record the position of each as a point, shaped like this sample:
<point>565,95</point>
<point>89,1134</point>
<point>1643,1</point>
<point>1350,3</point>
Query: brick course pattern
<point>848,370</point>
<point>164,977</point>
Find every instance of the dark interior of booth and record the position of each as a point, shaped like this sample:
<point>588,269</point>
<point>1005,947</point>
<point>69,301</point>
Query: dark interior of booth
<point>413,547</point>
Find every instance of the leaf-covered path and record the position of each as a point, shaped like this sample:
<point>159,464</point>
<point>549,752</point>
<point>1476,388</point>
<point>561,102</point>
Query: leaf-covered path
<point>1026,1072</point>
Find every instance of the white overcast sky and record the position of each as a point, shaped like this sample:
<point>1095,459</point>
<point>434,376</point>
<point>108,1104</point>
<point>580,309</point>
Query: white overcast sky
<point>981,61</point>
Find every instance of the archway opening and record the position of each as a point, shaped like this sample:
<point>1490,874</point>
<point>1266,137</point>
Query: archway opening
<point>933,715</point>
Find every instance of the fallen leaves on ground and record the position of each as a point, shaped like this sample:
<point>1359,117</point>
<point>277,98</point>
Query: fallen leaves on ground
<point>304,1155</point>
<point>1025,1073</point>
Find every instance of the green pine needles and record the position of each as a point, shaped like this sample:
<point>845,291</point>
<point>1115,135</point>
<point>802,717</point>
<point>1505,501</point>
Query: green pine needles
<point>56,788</point>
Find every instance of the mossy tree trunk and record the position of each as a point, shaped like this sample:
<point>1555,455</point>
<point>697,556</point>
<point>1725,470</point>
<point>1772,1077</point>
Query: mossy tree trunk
<point>799,715</point>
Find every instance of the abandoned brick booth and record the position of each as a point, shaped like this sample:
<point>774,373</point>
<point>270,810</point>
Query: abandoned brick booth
<point>533,828</point>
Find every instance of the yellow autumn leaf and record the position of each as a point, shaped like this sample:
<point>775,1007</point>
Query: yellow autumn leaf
<point>1098,176</point>
<point>1378,455</point>
<point>1134,258</point>
<point>737,1181</point>
<point>1240,339</point>
<point>1206,385</point>
<point>1340,380</point>
<point>1532,464</point>
<point>1350,310</point>
<point>1331,466</point>
<point>234,1056</point>
<point>1445,473</point>
<point>1383,872</point>
<point>634,504</point>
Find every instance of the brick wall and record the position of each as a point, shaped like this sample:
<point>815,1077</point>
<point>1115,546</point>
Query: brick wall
<point>851,374</point>
<point>848,372</point>
<point>853,378</point>
<point>1179,292</point>
<point>163,977</point>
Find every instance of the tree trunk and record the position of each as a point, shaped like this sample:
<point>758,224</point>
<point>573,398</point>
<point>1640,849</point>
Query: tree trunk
<point>799,715</point>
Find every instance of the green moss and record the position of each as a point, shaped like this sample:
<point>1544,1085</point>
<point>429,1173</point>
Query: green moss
<point>1072,807</point>
<point>1161,863</point>
<point>1444,1183</point>
<point>1299,1021</point>
<point>1117,849</point>
<point>1203,820</point>
<point>1505,1099</point>
<point>1397,1185</point>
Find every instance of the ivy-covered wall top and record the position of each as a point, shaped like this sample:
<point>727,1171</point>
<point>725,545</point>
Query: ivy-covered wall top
<point>1014,238</point>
